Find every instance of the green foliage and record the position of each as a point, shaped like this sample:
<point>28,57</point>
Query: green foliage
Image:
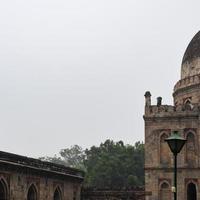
<point>55,159</point>
<point>70,157</point>
<point>111,165</point>
<point>115,165</point>
<point>73,157</point>
<point>132,180</point>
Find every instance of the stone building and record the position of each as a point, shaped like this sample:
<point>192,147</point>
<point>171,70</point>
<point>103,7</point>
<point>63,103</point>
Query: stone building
<point>184,117</point>
<point>23,178</point>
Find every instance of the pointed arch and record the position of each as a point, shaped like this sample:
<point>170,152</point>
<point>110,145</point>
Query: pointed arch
<point>57,194</point>
<point>3,189</point>
<point>32,193</point>
<point>190,149</point>
<point>188,104</point>
<point>191,191</point>
<point>165,192</point>
<point>165,158</point>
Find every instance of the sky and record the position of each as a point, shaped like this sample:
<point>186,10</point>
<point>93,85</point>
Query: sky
<point>75,71</point>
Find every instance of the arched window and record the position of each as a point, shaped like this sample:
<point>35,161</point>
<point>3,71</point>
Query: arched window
<point>191,192</point>
<point>164,151</point>
<point>57,194</point>
<point>32,193</point>
<point>190,149</point>
<point>3,190</point>
<point>165,192</point>
<point>188,105</point>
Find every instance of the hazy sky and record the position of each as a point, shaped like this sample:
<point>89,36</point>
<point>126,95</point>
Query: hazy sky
<point>75,71</point>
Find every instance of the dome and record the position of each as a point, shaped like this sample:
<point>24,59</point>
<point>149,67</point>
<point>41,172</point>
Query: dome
<point>191,58</point>
<point>193,49</point>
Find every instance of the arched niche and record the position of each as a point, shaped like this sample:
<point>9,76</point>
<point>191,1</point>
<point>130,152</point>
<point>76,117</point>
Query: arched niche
<point>57,194</point>
<point>165,192</point>
<point>3,190</point>
<point>188,104</point>
<point>190,149</point>
<point>191,191</point>
<point>165,158</point>
<point>32,193</point>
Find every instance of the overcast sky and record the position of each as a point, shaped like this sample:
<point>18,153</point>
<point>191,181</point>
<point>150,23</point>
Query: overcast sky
<point>75,71</point>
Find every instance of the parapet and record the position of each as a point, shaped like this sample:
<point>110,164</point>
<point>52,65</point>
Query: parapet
<point>186,82</point>
<point>170,111</point>
<point>24,162</point>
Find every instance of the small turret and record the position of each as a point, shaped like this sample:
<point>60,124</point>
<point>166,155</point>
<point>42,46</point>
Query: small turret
<point>159,101</point>
<point>147,98</point>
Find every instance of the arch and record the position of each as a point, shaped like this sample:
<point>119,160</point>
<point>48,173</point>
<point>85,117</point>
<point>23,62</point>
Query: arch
<point>57,194</point>
<point>190,149</point>
<point>32,193</point>
<point>188,104</point>
<point>3,190</point>
<point>191,191</point>
<point>165,192</point>
<point>164,150</point>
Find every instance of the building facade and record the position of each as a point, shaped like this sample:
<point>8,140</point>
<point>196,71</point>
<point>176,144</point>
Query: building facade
<point>23,178</point>
<point>184,117</point>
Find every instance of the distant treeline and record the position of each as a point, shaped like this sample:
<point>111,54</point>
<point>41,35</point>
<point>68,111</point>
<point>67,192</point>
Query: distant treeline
<point>110,165</point>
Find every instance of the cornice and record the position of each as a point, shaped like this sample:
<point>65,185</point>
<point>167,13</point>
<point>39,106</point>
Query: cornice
<point>171,168</point>
<point>186,89</point>
<point>172,117</point>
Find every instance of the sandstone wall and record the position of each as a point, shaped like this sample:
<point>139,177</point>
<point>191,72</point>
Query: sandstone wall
<point>18,184</point>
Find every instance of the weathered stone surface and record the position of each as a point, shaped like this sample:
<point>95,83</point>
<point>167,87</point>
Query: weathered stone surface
<point>23,178</point>
<point>191,58</point>
<point>183,116</point>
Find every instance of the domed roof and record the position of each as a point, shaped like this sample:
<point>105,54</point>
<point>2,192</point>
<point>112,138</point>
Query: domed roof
<point>193,49</point>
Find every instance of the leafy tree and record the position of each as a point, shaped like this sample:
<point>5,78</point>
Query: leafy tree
<point>115,165</point>
<point>70,157</point>
<point>54,159</point>
<point>132,180</point>
<point>111,165</point>
<point>73,157</point>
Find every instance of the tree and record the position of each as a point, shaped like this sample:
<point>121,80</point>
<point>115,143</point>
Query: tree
<point>115,165</point>
<point>54,159</point>
<point>110,165</point>
<point>73,157</point>
<point>70,157</point>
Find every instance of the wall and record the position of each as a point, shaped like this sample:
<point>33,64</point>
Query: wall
<point>18,184</point>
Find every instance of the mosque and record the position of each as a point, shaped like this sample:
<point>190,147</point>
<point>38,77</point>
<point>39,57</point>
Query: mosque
<point>183,116</point>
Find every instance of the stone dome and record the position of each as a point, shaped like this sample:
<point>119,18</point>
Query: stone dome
<point>193,49</point>
<point>191,58</point>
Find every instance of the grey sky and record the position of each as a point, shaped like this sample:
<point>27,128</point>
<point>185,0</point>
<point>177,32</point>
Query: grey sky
<point>75,71</point>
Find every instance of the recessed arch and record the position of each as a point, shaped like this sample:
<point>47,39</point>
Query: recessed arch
<point>165,158</point>
<point>190,149</point>
<point>188,104</point>
<point>165,192</point>
<point>191,191</point>
<point>32,193</point>
<point>187,101</point>
<point>57,194</point>
<point>3,190</point>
